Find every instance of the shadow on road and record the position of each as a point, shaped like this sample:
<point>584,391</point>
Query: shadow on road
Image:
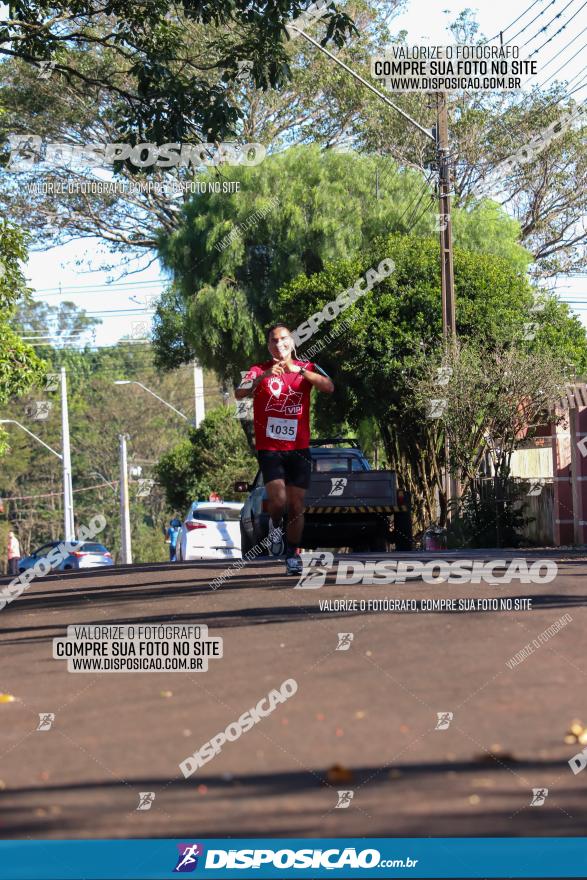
<point>417,789</point>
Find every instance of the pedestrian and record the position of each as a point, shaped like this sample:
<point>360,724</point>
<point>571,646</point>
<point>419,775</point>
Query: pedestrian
<point>281,390</point>
<point>13,554</point>
<point>172,536</point>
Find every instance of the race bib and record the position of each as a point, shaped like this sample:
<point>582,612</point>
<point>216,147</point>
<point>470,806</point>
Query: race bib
<point>282,429</point>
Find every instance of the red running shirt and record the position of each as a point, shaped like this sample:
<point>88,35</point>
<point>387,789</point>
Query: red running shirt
<point>281,408</point>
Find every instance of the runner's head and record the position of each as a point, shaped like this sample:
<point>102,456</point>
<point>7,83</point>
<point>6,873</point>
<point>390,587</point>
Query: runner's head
<point>280,342</point>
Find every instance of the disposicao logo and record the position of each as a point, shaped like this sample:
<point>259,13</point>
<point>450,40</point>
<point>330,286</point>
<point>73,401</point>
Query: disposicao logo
<point>330,859</point>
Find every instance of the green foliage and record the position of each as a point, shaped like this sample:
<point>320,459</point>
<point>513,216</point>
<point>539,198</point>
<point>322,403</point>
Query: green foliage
<point>175,473</point>
<point>157,95</point>
<point>491,514</point>
<point>20,368</point>
<point>5,527</point>
<point>167,72</point>
<point>148,543</point>
<point>99,411</point>
<point>310,208</point>
<point>214,457</point>
<point>397,326</point>
<point>490,397</point>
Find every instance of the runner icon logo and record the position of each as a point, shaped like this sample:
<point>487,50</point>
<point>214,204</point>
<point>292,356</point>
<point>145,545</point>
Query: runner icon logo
<point>444,719</point>
<point>315,567</point>
<point>146,799</point>
<point>338,485</point>
<point>187,860</point>
<point>539,795</point>
<point>344,799</point>
<point>46,719</point>
<point>344,641</point>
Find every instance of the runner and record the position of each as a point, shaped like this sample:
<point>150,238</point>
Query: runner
<point>281,390</point>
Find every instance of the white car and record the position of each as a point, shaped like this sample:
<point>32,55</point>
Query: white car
<point>211,530</point>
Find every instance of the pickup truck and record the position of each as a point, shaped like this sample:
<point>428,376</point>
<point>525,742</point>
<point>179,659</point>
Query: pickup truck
<point>347,503</point>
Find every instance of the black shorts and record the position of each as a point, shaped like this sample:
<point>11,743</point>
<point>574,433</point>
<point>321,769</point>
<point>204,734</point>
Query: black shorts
<point>294,466</point>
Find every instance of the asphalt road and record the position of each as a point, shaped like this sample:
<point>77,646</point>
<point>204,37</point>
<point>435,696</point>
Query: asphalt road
<point>371,710</point>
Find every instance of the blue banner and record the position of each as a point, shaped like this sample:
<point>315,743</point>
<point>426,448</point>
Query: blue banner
<point>377,857</point>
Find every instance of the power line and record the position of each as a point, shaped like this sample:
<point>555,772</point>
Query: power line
<point>57,494</point>
<point>105,284</point>
<point>419,197</point>
<point>95,290</point>
<point>579,87</point>
<point>512,23</point>
<point>536,17</point>
<point>427,207</point>
<point>564,64</point>
<point>503,125</point>
<point>560,30</point>
<point>579,73</point>
<point>560,51</point>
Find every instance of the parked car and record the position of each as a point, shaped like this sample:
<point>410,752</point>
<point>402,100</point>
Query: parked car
<point>87,554</point>
<point>347,504</point>
<point>211,530</point>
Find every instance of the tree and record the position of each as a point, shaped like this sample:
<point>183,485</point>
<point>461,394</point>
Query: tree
<point>213,457</point>
<point>20,368</point>
<point>546,193</point>
<point>79,112</point>
<point>31,477</point>
<point>487,399</point>
<point>64,324</point>
<point>397,327</point>
<point>487,402</point>
<point>159,89</point>
<point>296,211</point>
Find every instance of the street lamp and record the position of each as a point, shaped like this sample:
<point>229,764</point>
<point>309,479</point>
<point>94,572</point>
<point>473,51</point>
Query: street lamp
<point>103,478</point>
<point>42,442</point>
<point>148,390</point>
<point>64,458</point>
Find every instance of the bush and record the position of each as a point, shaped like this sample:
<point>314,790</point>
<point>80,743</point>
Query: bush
<point>490,514</point>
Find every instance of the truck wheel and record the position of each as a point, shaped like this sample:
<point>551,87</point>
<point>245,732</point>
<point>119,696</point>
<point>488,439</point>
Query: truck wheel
<point>376,544</point>
<point>402,529</point>
<point>380,544</point>
<point>246,543</point>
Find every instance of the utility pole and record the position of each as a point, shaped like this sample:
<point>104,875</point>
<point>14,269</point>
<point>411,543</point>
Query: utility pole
<point>451,486</point>
<point>68,517</point>
<point>446,257</point>
<point>440,137</point>
<point>199,408</point>
<point>125,539</point>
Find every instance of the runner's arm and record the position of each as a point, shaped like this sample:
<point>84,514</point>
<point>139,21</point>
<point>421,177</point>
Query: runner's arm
<point>320,380</point>
<point>248,384</point>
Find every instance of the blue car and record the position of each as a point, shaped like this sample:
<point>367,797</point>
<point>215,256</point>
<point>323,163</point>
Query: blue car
<point>87,554</point>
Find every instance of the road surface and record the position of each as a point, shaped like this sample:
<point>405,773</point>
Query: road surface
<point>370,711</point>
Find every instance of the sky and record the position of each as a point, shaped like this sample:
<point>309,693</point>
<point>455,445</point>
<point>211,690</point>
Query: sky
<point>124,304</point>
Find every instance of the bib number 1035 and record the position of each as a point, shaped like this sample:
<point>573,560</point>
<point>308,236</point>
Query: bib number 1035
<point>282,429</point>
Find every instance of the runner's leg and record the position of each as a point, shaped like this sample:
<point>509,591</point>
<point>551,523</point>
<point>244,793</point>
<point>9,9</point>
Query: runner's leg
<point>298,469</point>
<point>276,499</point>
<point>295,516</point>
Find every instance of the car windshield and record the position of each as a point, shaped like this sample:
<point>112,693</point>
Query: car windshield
<point>44,550</point>
<point>91,548</point>
<point>217,514</point>
<point>330,464</point>
<point>337,464</point>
